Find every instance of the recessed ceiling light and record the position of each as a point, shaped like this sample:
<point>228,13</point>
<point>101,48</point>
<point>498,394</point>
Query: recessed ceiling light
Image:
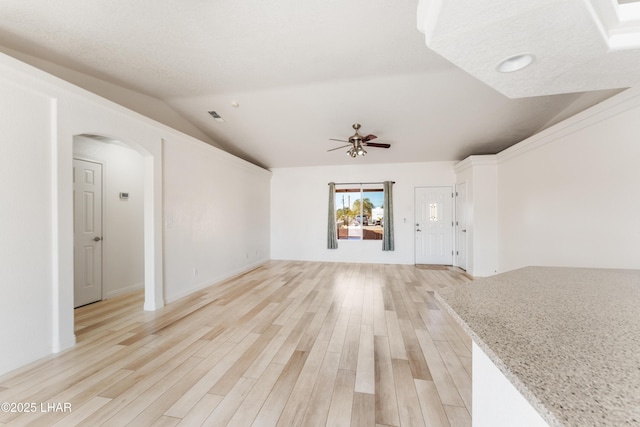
<point>235,104</point>
<point>515,63</point>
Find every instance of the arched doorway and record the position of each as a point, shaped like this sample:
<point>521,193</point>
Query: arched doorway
<point>108,219</point>
<point>143,262</point>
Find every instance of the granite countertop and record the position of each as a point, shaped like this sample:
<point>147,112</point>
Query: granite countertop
<point>567,338</point>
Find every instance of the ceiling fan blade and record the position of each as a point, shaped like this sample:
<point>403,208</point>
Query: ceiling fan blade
<point>341,140</point>
<point>369,138</point>
<point>374,144</point>
<point>344,146</point>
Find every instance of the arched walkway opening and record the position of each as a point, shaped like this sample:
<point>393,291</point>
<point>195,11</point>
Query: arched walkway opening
<point>115,240</point>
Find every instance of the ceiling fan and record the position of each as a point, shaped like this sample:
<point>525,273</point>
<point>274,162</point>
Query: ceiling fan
<point>357,143</point>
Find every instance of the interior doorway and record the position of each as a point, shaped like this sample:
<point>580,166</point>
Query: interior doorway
<point>109,219</point>
<point>433,225</point>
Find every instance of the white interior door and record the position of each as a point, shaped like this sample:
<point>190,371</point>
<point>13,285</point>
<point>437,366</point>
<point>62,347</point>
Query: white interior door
<point>87,218</point>
<point>434,225</point>
<point>461,225</point>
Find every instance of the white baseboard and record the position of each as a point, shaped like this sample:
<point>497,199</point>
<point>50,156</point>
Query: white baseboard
<point>23,364</point>
<point>64,345</point>
<point>171,298</point>
<point>125,290</point>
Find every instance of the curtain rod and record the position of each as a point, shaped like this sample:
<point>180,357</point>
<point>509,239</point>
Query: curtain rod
<point>359,183</point>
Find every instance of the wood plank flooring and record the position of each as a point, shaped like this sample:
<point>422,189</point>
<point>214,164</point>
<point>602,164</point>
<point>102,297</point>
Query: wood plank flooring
<point>287,344</point>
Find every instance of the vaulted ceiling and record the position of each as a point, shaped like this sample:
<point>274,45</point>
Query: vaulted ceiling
<point>285,76</point>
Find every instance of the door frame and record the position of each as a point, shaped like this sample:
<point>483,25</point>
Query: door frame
<point>451,189</point>
<point>457,227</point>
<point>152,157</point>
<point>102,164</point>
<point>151,148</point>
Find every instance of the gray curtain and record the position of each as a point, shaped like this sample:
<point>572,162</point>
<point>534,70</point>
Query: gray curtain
<point>332,233</point>
<point>388,243</point>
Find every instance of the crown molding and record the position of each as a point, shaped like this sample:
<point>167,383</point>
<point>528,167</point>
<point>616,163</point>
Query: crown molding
<point>474,161</point>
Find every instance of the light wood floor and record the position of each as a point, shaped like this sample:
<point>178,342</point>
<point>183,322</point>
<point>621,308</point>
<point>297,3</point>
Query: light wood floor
<point>290,343</point>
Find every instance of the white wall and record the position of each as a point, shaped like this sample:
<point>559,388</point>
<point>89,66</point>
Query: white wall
<point>299,203</point>
<point>41,114</point>
<point>216,216</point>
<point>26,225</point>
<point>570,196</point>
<point>122,220</point>
<point>480,173</point>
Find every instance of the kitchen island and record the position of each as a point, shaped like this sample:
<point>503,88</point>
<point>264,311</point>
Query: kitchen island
<point>566,339</point>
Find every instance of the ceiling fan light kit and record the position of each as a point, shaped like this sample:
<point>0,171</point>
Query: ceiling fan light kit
<point>357,143</point>
<point>356,151</point>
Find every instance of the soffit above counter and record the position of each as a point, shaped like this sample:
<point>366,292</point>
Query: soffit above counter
<point>577,45</point>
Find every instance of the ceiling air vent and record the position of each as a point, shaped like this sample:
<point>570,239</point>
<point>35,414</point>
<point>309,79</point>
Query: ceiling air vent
<point>216,116</point>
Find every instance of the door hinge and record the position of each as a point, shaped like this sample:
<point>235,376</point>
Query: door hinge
<point>451,252</point>
<point>457,253</point>
<point>456,194</point>
<point>451,194</point>
<point>456,222</point>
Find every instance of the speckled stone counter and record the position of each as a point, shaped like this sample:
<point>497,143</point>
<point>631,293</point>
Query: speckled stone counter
<point>567,338</point>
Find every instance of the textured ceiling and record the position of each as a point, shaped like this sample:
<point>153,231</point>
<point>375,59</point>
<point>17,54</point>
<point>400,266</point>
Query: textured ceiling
<point>301,73</point>
<point>578,45</point>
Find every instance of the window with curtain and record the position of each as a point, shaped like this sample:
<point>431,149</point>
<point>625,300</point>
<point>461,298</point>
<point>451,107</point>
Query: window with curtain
<point>359,211</point>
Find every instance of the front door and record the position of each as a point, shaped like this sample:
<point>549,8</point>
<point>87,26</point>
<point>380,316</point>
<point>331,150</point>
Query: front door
<point>87,226</point>
<point>461,225</point>
<point>434,225</point>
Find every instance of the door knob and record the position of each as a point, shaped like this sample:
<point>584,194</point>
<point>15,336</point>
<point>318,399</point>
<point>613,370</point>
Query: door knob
<point>418,229</point>
<point>464,231</point>
<point>97,239</point>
